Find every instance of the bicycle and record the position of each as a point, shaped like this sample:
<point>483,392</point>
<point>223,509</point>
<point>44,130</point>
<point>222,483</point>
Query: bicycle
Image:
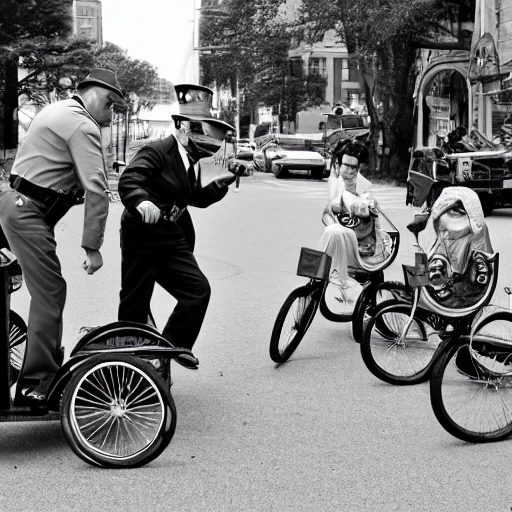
<point>407,335</point>
<point>301,305</point>
<point>471,383</point>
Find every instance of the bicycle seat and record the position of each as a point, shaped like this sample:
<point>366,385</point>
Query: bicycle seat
<point>418,224</point>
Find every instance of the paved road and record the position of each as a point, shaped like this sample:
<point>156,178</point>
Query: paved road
<point>319,433</point>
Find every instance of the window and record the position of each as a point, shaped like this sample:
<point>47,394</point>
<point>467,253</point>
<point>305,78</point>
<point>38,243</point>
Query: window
<point>344,70</point>
<point>296,66</point>
<point>349,71</point>
<point>85,11</point>
<point>353,71</point>
<point>317,66</point>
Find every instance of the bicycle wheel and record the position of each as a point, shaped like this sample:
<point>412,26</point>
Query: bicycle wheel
<point>395,360</point>
<point>471,404</point>
<point>336,304</point>
<point>117,412</point>
<point>293,320</point>
<point>17,344</point>
<point>370,298</point>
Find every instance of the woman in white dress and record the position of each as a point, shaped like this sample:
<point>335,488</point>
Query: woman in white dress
<point>352,236</point>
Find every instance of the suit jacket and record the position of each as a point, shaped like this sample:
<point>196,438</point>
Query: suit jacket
<point>157,174</point>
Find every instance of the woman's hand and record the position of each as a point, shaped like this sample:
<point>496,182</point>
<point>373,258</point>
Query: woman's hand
<point>149,212</point>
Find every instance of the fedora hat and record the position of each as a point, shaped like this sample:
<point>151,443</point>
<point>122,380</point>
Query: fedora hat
<point>104,78</point>
<point>194,103</point>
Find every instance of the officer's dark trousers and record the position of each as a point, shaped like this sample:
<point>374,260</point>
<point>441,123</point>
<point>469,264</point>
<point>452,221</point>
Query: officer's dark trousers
<point>159,253</point>
<point>33,242</point>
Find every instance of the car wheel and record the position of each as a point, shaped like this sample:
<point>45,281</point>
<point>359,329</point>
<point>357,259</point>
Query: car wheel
<point>317,174</point>
<point>278,171</point>
<point>487,201</point>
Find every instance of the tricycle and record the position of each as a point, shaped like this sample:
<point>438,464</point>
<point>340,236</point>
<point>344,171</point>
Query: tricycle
<point>112,395</point>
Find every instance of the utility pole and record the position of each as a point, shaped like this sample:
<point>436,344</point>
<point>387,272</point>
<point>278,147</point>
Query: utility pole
<point>237,111</point>
<point>196,65</point>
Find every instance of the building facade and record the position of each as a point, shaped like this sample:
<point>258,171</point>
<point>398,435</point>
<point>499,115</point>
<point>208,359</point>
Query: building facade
<point>87,19</point>
<point>470,87</point>
<point>330,58</point>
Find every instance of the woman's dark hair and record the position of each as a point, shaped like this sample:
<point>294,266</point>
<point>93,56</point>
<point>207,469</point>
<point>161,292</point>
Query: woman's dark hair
<point>351,148</point>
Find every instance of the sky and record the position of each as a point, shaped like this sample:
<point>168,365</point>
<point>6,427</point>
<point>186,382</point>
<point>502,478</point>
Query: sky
<point>159,31</point>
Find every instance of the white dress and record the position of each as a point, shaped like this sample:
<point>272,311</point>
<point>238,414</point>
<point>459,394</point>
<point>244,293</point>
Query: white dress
<point>341,243</point>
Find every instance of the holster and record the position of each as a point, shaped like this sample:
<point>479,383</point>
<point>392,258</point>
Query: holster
<point>56,203</point>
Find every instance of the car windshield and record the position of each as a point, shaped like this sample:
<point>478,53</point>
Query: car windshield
<point>335,122</point>
<point>352,122</point>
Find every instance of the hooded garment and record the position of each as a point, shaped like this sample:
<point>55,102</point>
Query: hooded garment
<point>458,237</point>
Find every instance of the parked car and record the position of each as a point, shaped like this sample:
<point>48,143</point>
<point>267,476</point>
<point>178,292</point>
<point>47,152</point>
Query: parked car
<point>245,156</point>
<point>486,169</point>
<point>282,154</point>
<point>337,127</point>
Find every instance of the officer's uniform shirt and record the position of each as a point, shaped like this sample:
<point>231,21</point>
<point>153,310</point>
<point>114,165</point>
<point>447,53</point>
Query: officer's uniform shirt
<point>62,150</point>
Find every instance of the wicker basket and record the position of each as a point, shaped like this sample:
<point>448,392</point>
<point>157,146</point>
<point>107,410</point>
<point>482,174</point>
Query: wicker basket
<point>314,264</point>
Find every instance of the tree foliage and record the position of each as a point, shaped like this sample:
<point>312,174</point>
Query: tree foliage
<point>383,37</point>
<point>245,47</point>
<point>135,76</point>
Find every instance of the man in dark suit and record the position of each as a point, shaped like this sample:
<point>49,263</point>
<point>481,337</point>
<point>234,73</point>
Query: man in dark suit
<point>157,233</point>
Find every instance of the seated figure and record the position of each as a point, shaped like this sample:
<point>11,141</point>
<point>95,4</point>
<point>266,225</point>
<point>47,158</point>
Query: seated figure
<point>352,236</point>
<point>458,267</point>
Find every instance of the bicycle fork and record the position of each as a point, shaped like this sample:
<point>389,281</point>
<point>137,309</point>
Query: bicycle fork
<point>406,327</point>
<point>508,291</point>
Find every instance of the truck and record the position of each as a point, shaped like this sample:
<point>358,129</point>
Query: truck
<point>474,162</point>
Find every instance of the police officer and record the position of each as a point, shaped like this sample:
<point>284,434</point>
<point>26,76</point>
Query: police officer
<point>59,160</point>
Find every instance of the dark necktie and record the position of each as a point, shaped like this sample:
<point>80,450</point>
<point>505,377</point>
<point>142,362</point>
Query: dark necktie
<point>191,173</point>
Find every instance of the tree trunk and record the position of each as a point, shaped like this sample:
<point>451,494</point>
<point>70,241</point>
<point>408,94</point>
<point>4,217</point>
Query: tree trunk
<point>393,108</point>
<point>10,102</point>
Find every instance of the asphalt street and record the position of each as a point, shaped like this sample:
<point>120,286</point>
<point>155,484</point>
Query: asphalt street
<point>318,433</point>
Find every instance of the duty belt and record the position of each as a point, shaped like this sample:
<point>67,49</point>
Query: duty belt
<point>56,203</point>
<point>47,196</point>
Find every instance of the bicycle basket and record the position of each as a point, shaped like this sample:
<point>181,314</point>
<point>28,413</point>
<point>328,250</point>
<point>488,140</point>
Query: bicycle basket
<point>416,276</point>
<point>314,264</point>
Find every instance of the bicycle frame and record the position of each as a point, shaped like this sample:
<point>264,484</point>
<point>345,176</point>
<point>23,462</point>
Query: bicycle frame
<point>423,299</point>
<point>6,259</point>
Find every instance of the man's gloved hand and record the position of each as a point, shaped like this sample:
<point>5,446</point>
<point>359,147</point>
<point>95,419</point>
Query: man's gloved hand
<point>93,261</point>
<point>149,212</point>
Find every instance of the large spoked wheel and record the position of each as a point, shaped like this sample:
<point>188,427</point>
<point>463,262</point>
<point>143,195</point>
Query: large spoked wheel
<point>470,404</point>
<point>293,320</point>
<point>117,412</point>
<point>396,358</point>
<point>17,344</point>
<point>370,299</point>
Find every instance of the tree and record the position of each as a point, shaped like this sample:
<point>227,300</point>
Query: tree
<point>24,25</point>
<point>383,37</point>
<point>135,76</point>
<point>239,44</point>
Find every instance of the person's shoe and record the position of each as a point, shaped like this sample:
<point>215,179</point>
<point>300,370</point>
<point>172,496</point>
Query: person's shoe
<point>33,394</point>
<point>32,398</point>
<point>188,361</point>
